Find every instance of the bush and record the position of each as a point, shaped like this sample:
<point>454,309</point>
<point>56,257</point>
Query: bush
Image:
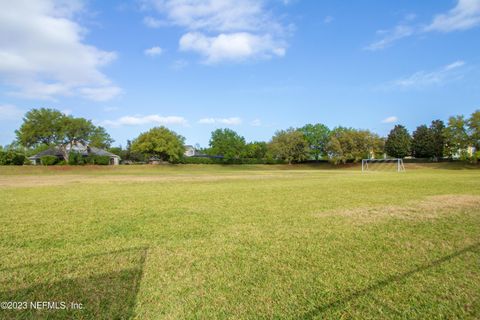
<point>100,160</point>
<point>206,160</point>
<point>476,157</point>
<point>48,160</point>
<point>11,158</point>
<point>75,158</point>
<point>198,160</point>
<point>3,158</point>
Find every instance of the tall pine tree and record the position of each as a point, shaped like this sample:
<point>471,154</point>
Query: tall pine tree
<point>398,142</point>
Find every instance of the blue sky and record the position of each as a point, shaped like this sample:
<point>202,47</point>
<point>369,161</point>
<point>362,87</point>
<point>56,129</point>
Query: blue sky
<point>255,66</point>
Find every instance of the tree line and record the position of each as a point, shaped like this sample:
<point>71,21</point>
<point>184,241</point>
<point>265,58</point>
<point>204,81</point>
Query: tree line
<point>44,128</point>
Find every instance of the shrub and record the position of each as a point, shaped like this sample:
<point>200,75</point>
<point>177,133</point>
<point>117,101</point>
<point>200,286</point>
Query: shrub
<point>198,160</point>
<point>11,158</point>
<point>48,160</point>
<point>100,160</point>
<point>75,158</point>
<point>206,160</point>
<point>476,157</point>
<point>3,158</point>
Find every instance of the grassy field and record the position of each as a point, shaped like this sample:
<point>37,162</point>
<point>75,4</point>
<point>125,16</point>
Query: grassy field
<point>241,242</point>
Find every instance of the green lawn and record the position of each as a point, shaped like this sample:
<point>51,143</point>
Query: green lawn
<point>241,242</point>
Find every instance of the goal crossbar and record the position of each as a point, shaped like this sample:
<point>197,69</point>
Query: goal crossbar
<point>397,162</point>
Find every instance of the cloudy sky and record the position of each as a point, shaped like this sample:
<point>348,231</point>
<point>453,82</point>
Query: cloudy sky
<point>252,65</point>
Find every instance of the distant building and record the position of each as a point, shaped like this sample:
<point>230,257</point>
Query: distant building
<point>84,150</point>
<point>190,151</point>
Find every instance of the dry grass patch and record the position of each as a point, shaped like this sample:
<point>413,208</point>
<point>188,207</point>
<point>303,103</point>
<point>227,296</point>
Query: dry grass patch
<point>44,181</point>
<point>429,208</point>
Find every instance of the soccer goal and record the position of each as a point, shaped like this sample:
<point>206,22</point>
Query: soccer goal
<point>383,165</point>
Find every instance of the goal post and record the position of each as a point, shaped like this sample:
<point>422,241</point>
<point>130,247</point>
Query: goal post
<point>395,165</point>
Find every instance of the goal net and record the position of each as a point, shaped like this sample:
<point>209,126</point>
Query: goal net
<point>393,165</point>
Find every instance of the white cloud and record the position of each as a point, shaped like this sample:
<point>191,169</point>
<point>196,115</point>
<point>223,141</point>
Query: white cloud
<point>256,123</point>
<point>231,47</point>
<point>224,30</point>
<point>391,119</point>
<point>234,121</point>
<point>142,120</point>
<point>454,65</point>
<point>390,36</point>
<point>465,15</point>
<point>215,15</point>
<point>42,52</point>
<point>10,112</point>
<point>153,51</point>
<point>153,23</point>
<point>421,79</point>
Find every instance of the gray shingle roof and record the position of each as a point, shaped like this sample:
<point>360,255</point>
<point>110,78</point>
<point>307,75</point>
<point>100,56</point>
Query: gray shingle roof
<point>49,152</point>
<point>101,152</point>
<point>55,151</point>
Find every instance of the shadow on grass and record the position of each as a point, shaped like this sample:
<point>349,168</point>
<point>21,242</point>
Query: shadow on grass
<point>385,282</point>
<point>107,295</point>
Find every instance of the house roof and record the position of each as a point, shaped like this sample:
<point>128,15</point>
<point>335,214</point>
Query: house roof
<point>100,152</point>
<point>55,151</point>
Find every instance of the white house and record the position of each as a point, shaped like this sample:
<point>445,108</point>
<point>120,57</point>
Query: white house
<point>190,151</point>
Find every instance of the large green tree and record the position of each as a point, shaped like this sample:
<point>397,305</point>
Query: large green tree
<point>317,136</point>
<point>437,129</point>
<point>100,138</point>
<point>348,144</point>
<point>398,142</point>
<point>474,129</point>
<point>256,150</point>
<point>227,143</point>
<point>289,145</point>
<point>457,139</point>
<point>160,142</point>
<point>423,142</point>
<point>53,128</point>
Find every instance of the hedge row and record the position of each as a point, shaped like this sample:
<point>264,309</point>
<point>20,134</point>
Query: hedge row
<point>207,160</point>
<point>49,160</point>
<point>75,159</point>
<point>78,159</point>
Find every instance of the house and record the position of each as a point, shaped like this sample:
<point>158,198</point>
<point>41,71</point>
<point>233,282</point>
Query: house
<point>83,149</point>
<point>190,151</point>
